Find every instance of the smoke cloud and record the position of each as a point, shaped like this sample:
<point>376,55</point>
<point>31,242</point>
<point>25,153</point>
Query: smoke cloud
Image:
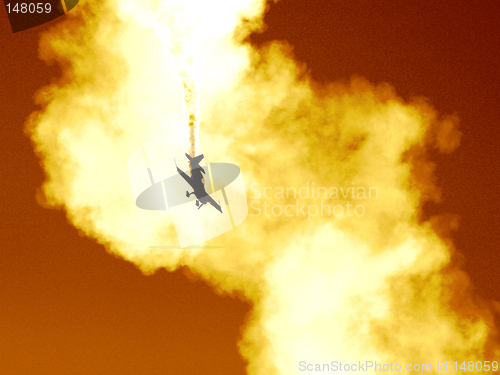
<point>377,286</point>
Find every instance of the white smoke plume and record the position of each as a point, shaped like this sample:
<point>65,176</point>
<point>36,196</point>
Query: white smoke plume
<point>377,286</point>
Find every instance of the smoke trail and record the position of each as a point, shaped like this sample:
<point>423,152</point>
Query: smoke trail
<point>377,286</point>
<point>192,109</point>
<point>176,24</point>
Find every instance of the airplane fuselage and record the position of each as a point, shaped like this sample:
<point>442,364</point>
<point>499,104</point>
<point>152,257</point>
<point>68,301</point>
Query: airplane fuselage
<point>197,182</point>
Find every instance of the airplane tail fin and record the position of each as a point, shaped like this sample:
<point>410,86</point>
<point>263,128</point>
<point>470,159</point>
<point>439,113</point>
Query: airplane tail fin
<point>196,159</point>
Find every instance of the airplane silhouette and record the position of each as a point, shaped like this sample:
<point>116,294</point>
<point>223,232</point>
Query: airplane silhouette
<point>197,182</point>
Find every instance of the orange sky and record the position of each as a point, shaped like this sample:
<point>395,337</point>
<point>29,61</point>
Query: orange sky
<point>67,306</point>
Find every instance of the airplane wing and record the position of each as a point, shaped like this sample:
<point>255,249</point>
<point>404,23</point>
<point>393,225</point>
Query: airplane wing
<point>214,203</point>
<point>188,179</point>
